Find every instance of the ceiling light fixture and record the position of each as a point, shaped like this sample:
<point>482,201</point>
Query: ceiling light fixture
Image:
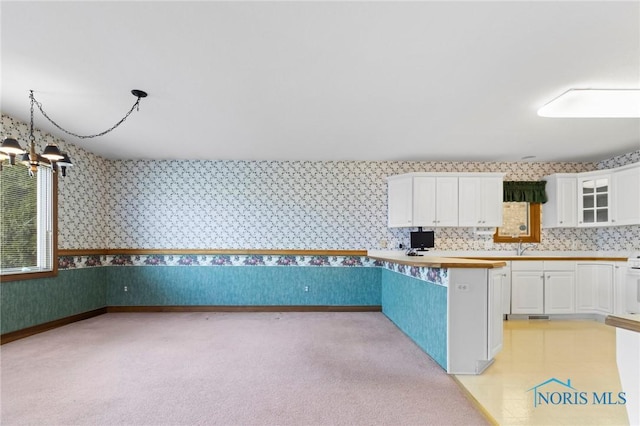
<point>51,156</point>
<point>594,103</point>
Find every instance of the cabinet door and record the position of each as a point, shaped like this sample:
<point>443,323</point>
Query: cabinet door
<point>491,201</point>
<point>561,210</point>
<point>585,288</point>
<point>527,292</point>
<point>567,203</point>
<point>594,200</point>
<point>594,292</point>
<point>468,205</point>
<point>480,201</point>
<point>619,284</point>
<point>494,341</point>
<point>400,205</point>
<point>604,289</point>
<point>446,201</point>
<point>559,292</point>
<point>625,196</point>
<point>424,201</point>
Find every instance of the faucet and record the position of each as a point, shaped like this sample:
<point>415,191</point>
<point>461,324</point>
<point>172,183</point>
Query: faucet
<point>521,249</point>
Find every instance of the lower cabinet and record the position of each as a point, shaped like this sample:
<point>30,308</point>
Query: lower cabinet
<point>595,291</point>
<point>619,290</point>
<point>543,287</point>
<point>527,292</point>
<point>559,292</point>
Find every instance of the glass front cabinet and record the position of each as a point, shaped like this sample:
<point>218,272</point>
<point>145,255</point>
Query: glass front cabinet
<point>594,194</point>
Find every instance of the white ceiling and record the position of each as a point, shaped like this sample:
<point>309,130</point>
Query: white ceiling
<point>323,80</point>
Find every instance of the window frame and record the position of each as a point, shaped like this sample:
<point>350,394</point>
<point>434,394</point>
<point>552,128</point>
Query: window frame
<point>19,276</point>
<point>534,224</point>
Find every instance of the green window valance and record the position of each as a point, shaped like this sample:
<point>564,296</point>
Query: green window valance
<point>524,191</point>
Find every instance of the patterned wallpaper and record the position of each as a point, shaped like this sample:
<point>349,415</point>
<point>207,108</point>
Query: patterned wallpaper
<point>270,204</point>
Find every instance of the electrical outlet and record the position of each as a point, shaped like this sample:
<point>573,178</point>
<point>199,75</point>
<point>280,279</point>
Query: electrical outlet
<point>462,287</point>
<point>306,288</point>
<point>126,288</point>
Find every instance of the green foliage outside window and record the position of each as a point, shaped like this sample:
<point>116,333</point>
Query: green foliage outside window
<point>18,218</point>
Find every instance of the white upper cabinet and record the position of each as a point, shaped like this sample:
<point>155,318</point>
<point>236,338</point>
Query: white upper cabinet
<point>433,199</point>
<point>594,204</point>
<point>625,185</point>
<point>599,198</point>
<point>400,201</point>
<point>480,200</point>
<point>561,210</point>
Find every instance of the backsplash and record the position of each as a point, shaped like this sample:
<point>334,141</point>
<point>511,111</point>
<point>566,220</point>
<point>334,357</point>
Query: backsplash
<point>271,204</point>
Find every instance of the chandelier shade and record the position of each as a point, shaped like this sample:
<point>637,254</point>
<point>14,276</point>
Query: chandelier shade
<point>52,153</point>
<point>64,163</point>
<point>11,146</point>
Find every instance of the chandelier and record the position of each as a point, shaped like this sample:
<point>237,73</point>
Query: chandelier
<point>51,155</point>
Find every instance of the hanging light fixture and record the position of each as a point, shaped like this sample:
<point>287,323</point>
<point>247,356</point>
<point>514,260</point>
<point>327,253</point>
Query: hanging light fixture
<point>51,156</point>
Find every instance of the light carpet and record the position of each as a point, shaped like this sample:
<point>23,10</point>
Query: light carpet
<point>228,369</point>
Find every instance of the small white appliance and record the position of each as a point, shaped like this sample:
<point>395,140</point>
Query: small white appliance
<point>632,288</point>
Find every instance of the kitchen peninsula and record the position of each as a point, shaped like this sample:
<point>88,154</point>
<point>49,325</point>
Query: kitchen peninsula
<point>450,307</point>
<point>627,356</point>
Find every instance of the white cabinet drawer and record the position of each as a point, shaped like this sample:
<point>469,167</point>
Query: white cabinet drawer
<point>559,265</point>
<point>527,265</point>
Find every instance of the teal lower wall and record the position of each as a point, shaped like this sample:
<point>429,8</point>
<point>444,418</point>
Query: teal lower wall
<point>27,303</point>
<point>32,302</point>
<point>250,285</point>
<point>419,309</point>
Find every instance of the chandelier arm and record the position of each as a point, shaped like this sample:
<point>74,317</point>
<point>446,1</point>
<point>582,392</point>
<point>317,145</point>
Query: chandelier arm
<point>136,105</point>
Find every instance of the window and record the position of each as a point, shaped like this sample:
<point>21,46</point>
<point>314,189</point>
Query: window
<point>28,223</point>
<point>521,222</point>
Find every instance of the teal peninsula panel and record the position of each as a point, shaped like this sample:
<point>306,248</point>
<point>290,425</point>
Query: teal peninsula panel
<point>419,309</point>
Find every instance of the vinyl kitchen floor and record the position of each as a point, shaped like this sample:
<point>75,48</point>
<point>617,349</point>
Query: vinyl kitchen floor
<point>535,351</point>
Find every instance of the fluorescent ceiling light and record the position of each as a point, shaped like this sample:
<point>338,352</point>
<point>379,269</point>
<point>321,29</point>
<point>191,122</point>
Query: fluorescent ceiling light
<point>595,103</point>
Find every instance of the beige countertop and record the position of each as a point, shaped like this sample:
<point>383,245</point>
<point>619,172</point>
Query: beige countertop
<point>553,257</point>
<point>627,321</point>
<point>435,261</point>
<point>507,255</point>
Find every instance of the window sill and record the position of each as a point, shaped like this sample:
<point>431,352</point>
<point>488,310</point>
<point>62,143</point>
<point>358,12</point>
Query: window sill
<point>22,275</point>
